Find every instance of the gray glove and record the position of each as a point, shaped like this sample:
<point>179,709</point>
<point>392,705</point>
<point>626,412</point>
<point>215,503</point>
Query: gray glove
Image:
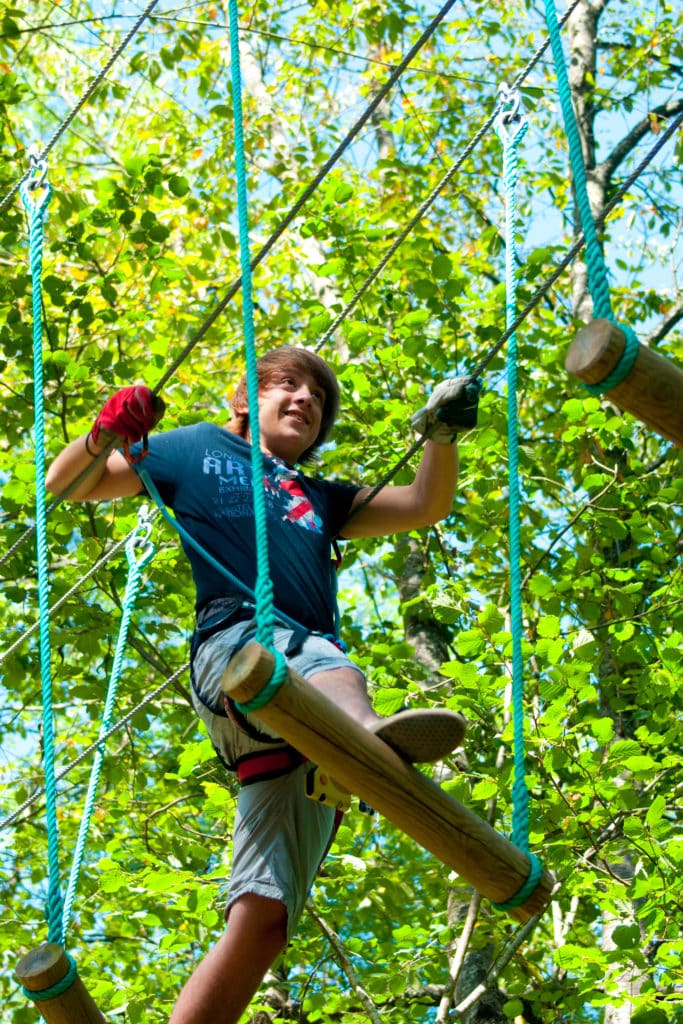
<point>452,406</point>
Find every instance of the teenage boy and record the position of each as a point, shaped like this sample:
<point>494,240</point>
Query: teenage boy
<point>203,472</point>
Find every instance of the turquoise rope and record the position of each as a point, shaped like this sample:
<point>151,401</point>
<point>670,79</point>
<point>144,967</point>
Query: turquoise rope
<point>136,565</point>
<point>511,135</point>
<point>595,262</point>
<point>265,615</point>
<point>35,198</point>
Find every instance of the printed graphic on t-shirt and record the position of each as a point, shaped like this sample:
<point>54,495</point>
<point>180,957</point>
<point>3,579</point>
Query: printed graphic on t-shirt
<point>297,507</point>
<point>285,497</point>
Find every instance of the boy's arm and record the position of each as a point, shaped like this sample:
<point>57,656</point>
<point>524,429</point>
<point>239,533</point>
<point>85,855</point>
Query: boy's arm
<point>126,417</point>
<point>111,478</point>
<point>428,499</point>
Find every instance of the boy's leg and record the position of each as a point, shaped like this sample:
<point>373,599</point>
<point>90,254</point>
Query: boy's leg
<point>223,984</point>
<point>346,687</point>
<point>419,735</point>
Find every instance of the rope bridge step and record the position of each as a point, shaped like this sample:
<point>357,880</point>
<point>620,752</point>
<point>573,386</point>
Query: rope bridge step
<point>50,979</point>
<point>363,764</point>
<point>652,390</point>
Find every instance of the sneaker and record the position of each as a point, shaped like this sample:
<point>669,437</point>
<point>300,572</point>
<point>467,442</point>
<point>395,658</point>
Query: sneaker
<point>422,735</point>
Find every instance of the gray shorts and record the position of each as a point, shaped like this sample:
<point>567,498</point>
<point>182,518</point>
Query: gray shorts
<point>280,835</point>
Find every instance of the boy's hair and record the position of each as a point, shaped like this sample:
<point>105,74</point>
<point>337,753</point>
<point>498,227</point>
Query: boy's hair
<point>272,364</point>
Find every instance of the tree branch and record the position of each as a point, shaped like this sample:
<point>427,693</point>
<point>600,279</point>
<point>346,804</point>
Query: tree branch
<point>629,142</point>
<point>666,324</point>
<point>347,967</point>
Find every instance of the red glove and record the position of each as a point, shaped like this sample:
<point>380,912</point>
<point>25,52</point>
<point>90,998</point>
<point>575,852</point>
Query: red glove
<point>129,414</point>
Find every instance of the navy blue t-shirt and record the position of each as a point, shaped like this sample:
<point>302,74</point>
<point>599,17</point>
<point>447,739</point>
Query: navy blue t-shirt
<point>203,472</point>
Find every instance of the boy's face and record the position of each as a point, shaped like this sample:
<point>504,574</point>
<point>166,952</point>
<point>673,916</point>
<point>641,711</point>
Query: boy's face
<point>290,413</point>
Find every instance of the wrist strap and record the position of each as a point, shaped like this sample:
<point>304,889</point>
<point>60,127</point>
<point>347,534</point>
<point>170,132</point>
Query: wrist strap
<point>87,447</point>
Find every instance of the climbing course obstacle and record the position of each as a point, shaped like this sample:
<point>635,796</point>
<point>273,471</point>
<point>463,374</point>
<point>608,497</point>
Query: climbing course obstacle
<point>608,359</point>
<point>653,388</point>
<point>49,977</point>
<point>366,766</point>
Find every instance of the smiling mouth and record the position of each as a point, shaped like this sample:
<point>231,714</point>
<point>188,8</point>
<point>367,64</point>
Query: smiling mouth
<point>298,417</point>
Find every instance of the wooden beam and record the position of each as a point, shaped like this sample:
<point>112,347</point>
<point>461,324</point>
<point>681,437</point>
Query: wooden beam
<point>44,967</point>
<point>653,390</point>
<point>366,766</point>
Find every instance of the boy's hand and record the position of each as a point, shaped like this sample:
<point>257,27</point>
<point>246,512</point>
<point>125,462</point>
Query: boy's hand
<point>129,414</point>
<point>452,406</point>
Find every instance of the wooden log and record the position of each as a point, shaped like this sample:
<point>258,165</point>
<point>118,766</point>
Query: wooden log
<point>44,967</point>
<point>653,390</point>
<point>362,763</point>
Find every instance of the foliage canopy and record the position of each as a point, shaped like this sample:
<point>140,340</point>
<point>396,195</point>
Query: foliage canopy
<point>140,247</point>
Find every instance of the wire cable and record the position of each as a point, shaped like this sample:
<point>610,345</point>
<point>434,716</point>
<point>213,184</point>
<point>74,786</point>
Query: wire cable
<point>59,131</point>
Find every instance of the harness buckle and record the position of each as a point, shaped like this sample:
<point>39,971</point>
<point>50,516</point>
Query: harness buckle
<point>324,790</point>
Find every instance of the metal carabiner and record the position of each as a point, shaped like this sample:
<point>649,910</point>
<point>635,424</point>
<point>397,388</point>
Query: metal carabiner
<point>510,114</point>
<point>141,537</point>
<point>37,169</point>
<point>510,101</point>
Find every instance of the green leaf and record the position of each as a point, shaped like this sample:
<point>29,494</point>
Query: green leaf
<point>469,643</point>
<point>484,790</point>
<point>178,185</point>
<point>626,936</point>
<point>442,266</point>
<point>343,192</point>
<point>650,1016</point>
<point>656,810</point>
<point>388,700</point>
<point>549,626</point>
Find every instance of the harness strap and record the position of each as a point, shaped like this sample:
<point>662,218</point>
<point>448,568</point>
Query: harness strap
<point>269,764</point>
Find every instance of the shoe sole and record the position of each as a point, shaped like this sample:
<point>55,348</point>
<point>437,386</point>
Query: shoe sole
<point>422,735</point>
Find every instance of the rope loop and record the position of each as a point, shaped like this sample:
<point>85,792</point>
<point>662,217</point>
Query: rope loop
<point>37,174</point>
<point>272,687</point>
<point>59,987</point>
<point>621,371</point>
<point>528,888</point>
